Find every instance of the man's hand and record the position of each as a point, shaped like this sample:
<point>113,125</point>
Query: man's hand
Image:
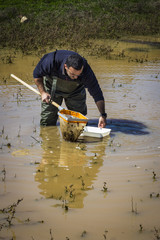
<point>46,97</point>
<point>102,122</point>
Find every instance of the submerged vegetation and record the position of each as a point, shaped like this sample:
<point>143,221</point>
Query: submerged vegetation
<point>72,23</point>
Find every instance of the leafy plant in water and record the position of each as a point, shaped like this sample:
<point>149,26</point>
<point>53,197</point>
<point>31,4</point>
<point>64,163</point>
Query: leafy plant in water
<point>19,130</point>
<point>65,205</point>
<point>104,189</point>
<point>84,233</point>
<point>70,191</point>
<point>4,175</point>
<point>134,208</point>
<point>140,228</point>
<point>83,184</point>
<point>156,195</point>
<point>156,233</point>
<point>154,176</point>
<point>10,210</point>
<point>50,231</point>
<point>105,234</point>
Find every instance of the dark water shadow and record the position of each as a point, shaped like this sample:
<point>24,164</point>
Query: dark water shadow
<point>123,125</point>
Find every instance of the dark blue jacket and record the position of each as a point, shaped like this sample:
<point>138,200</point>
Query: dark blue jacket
<point>54,66</point>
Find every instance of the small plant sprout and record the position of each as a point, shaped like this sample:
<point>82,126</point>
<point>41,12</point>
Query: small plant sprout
<point>95,156</point>
<point>133,209</point>
<point>3,130</point>
<point>36,140</point>
<point>4,175</point>
<point>113,83</point>
<point>64,205</point>
<point>110,144</point>
<point>34,129</point>
<point>83,184</point>
<point>19,130</point>
<point>155,195</point>
<point>156,234</point>
<point>105,234</point>
<point>84,233</point>
<point>95,159</point>
<point>50,231</point>
<point>154,175</point>
<point>132,204</point>
<point>104,189</point>
<point>140,228</point>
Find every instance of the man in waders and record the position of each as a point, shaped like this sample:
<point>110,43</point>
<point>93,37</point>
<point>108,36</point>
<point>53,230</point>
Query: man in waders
<point>65,75</point>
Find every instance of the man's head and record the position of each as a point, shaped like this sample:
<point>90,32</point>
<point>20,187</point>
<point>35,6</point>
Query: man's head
<point>74,66</point>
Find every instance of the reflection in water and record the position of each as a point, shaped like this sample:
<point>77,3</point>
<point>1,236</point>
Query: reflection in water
<point>67,170</point>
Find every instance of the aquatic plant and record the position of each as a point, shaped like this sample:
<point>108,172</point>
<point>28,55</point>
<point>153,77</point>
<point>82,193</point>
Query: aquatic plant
<point>10,210</point>
<point>95,158</point>
<point>36,140</point>
<point>84,233</point>
<point>105,234</point>
<point>104,189</point>
<point>65,205</point>
<point>133,207</point>
<point>155,195</point>
<point>4,175</point>
<point>19,130</point>
<point>83,184</point>
<point>50,231</point>
<point>156,233</point>
<point>154,175</point>
<point>140,228</point>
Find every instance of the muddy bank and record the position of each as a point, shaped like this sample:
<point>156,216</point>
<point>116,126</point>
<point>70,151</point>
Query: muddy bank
<point>74,24</point>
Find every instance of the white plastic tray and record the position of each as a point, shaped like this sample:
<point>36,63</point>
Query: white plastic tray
<point>95,132</point>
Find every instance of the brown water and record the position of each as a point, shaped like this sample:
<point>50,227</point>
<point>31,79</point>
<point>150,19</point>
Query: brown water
<point>63,184</point>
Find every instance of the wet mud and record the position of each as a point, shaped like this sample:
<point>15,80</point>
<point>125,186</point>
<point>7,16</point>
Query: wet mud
<point>94,188</point>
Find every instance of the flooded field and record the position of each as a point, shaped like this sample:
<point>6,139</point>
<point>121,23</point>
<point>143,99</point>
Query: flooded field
<point>92,189</point>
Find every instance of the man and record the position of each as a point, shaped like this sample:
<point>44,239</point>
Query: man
<point>65,75</point>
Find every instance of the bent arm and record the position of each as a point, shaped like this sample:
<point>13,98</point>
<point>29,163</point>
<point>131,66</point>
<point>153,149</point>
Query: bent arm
<point>44,95</point>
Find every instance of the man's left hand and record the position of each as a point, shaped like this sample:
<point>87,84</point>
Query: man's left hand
<point>102,122</point>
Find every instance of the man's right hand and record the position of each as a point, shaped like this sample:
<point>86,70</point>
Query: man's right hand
<point>46,97</point>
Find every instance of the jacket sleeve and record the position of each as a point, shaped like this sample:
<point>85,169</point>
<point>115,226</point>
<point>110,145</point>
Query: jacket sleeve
<point>44,67</point>
<point>91,83</point>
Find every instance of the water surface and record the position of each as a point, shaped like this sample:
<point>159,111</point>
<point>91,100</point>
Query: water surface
<point>94,188</point>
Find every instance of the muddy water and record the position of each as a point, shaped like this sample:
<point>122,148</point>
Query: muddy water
<point>97,189</point>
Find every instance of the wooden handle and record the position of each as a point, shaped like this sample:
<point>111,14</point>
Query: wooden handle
<point>25,84</point>
<point>56,105</point>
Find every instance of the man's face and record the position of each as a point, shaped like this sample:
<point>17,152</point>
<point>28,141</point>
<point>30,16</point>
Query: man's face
<point>73,73</point>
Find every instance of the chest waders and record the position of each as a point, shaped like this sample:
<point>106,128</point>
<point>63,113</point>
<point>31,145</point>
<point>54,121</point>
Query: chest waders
<point>72,92</point>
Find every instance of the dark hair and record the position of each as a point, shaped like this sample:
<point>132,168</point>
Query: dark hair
<point>75,61</point>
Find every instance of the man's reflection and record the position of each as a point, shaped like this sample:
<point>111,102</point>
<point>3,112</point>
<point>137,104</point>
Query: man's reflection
<point>68,169</point>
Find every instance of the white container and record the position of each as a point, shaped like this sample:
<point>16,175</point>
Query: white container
<point>95,132</point>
